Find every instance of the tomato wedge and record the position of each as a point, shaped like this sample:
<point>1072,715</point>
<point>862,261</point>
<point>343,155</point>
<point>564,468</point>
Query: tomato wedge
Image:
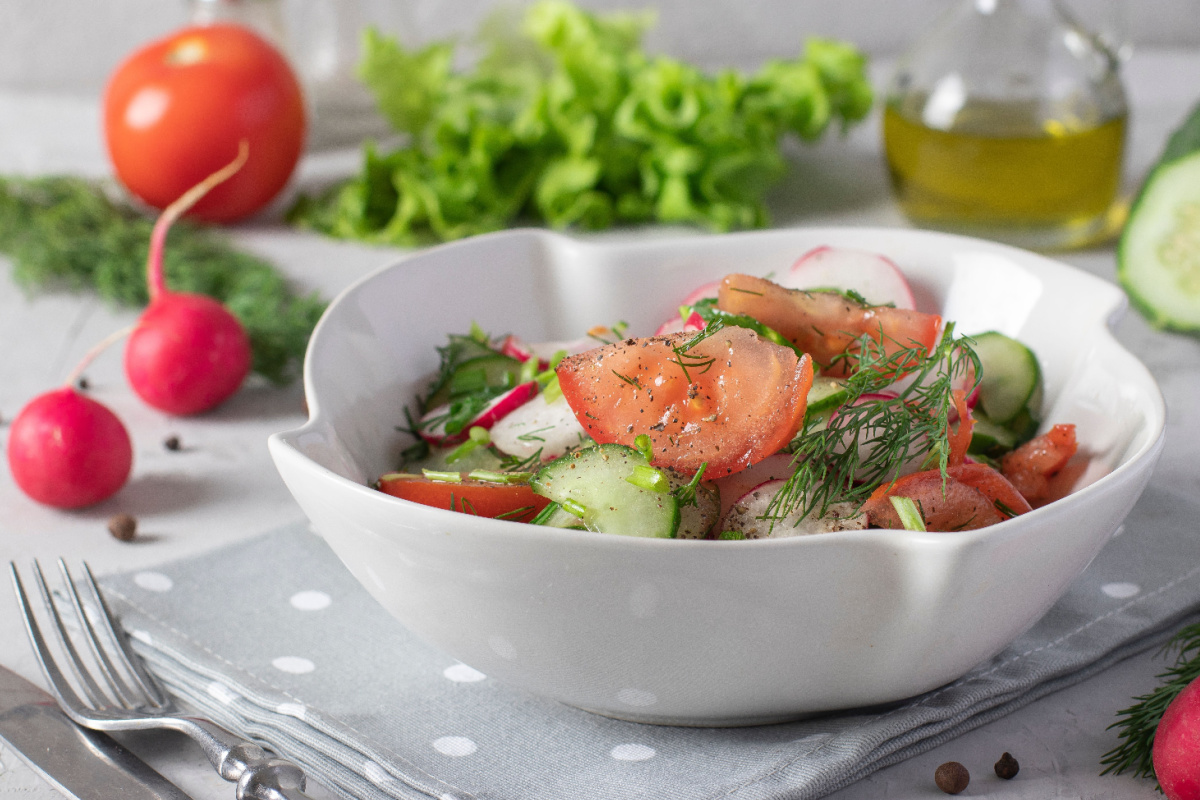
<point>972,496</point>
<point>730,400</point>
<point>827,324</point>
<point>1031,466</point>
<point>514,501</point>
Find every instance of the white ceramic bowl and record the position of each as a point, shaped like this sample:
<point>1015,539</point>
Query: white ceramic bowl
<point>705,632</point>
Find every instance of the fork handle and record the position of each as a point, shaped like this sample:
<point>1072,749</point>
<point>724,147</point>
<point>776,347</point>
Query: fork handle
<point>258,774</point>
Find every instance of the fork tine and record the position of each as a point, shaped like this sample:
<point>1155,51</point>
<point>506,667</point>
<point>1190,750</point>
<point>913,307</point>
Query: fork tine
<point>59,684</point>
<point>116,684</point>
<point>95,694</point>
<point>130,659</point>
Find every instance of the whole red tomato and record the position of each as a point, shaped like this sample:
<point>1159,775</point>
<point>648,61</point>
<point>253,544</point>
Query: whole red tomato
<point>175,111</point>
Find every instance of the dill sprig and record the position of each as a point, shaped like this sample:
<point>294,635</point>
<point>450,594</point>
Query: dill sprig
<point>892,431</point>
<point>66,232</point>
<point>1138,723</point>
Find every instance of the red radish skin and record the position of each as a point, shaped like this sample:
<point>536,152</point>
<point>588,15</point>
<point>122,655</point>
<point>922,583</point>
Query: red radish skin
<point>492,413</point>
<point>68,451</point>
<point>1176,752</point>
<point>873,276</point>
<point>187,353</point>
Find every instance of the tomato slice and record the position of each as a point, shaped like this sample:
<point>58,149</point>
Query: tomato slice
<point>973,496</point>
<point>1031,466</point>
<point>516,502</point>
<point>949,506</point>
<point>827,324</point>
<point>730,400</point>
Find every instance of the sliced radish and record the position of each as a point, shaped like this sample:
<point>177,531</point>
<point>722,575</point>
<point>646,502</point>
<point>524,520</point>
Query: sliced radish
<point>433,424</point>
<point>694,322</point>
<point>746,515</point>
<point>522,351</point>
<point>550,428</point>
<point>873,276</point>
<point>711,289</point>
<point>734,486</point>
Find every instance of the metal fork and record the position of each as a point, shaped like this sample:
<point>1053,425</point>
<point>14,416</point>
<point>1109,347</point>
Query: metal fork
<point>120,695</point>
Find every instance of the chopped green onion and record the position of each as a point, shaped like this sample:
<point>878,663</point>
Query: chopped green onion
<point>552,390</point>
<point>557,358</point>
<point>398,476</point>
<point>545,514</point>
<point>445,477</point>
<point>477,437</point>
<point>489,476</point>
<point>910,515</point>
<point>731,536</point>
<point>574,507</point>
<point>644,445</point>
<point>649,478</point>
<point>479,334</point>
<point>529,370</point>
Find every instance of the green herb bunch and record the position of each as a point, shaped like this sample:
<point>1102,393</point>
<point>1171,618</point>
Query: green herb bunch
<point>893,431</point>
<point>565,118</point>
<point>1137,724</point>
<point>66,232</point>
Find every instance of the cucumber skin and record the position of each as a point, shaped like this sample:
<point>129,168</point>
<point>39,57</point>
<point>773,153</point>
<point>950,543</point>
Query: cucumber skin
<point>1184,145</point>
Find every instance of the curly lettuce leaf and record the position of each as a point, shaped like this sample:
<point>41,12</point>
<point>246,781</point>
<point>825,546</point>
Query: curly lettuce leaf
<point>564,118</point>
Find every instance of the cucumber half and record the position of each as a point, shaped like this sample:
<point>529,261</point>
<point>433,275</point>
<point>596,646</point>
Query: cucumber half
<point>593,482</point>
<point>1158,260</point>
<point>1011,381</point>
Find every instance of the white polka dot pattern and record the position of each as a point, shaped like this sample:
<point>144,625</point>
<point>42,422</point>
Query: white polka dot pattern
<point>154,581</point>
<point>1121,591</point>
<point>222,693</point>
<point>502,647</point>
<point>455,746</point>
<point>291,710</point>
<point>632,752</point>
<point>294,665</point>
<point>461,673</point>
<point>311,600</point>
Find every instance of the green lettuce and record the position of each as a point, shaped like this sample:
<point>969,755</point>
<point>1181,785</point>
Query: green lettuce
<point>564,118</point>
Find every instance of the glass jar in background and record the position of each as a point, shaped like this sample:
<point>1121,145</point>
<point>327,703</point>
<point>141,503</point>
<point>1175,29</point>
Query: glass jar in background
<point>322,41</point>
<point>1008,121</point>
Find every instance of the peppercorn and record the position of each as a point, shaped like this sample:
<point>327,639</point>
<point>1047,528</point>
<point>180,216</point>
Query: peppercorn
<point>1007,767</point>
<point>123,526</point>
<point>172,443</point>
<point>951,777</point>
<point>83,383</point>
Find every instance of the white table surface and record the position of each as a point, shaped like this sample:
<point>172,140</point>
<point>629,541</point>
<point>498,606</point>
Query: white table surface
<point>222,486</point>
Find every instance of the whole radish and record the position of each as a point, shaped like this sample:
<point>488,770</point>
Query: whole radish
<point>1176,750</point>
<point>66,450</point>
<point>187,353</point>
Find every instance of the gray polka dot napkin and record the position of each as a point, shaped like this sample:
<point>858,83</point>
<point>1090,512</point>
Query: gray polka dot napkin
<point>317,671</point>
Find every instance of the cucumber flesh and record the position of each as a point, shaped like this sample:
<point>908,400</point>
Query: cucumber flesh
<point>595,479</point>
<point>1158,261</point>
<point>1011,380</point>
<point>990,439</point>
<point>825,395</point>
<point>492,370</point>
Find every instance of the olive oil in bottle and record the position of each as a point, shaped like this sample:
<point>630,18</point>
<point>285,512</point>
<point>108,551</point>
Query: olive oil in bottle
<point>1002,170</point>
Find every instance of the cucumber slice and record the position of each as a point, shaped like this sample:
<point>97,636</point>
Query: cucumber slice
<point>595,479</point>
<point>492,370</point>
<point>825,395</point>
<point>553,516</point>
<point>990,439</point>
<point>1012,379</point>
<point>1158,260</point>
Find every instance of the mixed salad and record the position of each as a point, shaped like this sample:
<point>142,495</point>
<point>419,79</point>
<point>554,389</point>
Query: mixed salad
<point>768,408</point>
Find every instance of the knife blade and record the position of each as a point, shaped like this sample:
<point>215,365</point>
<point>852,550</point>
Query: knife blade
<point>82,763</point>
